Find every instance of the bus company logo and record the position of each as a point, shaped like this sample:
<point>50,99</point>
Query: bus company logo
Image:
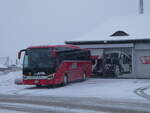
<point>145,59</point>
<point>74,65</point>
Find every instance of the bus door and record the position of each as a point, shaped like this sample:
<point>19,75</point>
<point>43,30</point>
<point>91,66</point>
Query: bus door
<point>74,71</point>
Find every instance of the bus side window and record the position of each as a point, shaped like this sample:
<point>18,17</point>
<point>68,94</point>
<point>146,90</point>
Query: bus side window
<point>80,55</point>
<point>83,55</point>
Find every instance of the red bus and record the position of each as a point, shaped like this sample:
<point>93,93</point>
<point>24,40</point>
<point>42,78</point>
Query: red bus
<point>55,64</point>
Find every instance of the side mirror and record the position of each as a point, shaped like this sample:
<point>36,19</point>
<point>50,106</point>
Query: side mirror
<point>19,53</point>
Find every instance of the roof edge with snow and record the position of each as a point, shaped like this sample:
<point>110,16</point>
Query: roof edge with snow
<point>108,41</point>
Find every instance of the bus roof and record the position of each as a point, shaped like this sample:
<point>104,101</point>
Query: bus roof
<point>54,46</point>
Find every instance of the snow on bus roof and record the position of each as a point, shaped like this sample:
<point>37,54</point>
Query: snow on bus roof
<point>126,27</point>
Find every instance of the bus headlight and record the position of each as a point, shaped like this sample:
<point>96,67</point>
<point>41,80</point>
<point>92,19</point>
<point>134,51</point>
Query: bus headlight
<point>51,76</point>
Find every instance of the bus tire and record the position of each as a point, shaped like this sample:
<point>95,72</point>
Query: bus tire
<point>65,80</point>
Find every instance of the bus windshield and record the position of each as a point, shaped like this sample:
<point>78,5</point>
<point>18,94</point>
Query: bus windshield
<point>39,59</point>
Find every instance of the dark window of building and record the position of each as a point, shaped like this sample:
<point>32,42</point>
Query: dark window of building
<point>120,33</point>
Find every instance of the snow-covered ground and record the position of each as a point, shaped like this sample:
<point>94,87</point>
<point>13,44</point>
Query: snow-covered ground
<point>101,88</point>
<point>7,85</point>
<point>44,108</point>
<point>10,111</point>
<point>148,91</point>
<point>2,66</point>
<point>1,72</point>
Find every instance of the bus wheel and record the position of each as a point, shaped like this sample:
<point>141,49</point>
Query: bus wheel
<point>84,77</point>
<point>65,80</point>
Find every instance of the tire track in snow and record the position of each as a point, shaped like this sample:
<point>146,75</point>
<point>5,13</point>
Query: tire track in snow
<point>141,92</point>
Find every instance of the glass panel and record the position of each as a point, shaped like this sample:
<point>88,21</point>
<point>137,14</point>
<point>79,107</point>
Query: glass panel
<point>40,59</point>
<point>26,61</point>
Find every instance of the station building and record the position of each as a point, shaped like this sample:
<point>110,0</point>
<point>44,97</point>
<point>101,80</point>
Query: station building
<point>120,47</point>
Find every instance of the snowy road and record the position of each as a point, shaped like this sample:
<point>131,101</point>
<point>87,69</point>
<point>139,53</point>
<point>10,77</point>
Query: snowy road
<point>148,91</point>
<point>70,105</point>
<point>46,108</point>
<point>91,96</point>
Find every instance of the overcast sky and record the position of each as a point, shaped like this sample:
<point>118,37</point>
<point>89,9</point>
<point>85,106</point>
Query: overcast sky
<point>42,22</point>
